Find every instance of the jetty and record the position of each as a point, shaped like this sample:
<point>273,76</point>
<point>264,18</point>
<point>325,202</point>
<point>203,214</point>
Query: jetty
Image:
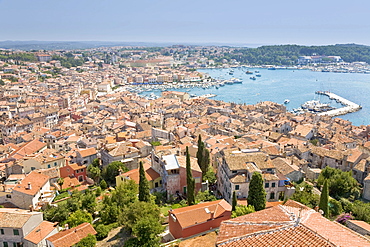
<point>348,106</point>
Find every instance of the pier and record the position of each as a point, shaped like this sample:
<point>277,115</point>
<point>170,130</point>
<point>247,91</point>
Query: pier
<point>349,106</point>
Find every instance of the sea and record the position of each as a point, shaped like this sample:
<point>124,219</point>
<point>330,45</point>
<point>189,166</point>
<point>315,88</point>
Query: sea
<point>297,86</point>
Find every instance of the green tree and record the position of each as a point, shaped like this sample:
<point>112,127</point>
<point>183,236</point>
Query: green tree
<point>88,201</point>
<point>102,231</point>
<point>205,196</point>
<point>335,207</point>
<point>94,172</point>
<point>210,176</point>
<point>200,152</point>
<point>125,193</point>
<point>103,184</point>
<point>189,180</point>
<point>304,194</point>
<point>59,213</point>
<point>324,199</point>
<point>89,241</point>
<point>60,182</point>
<point>341,184</point>
<point>234,202</point>
<point>146,231</point>
<point>130,214</point>
<point>256,193</point>
<point>112,170</point>
<point>144,194</point>
<point>242,210</point>
<point>78,217</point>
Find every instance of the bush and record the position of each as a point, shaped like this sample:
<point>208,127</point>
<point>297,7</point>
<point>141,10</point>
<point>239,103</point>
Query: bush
<point>103,184</point>
<point>102,231</point>
<point>61,196</point>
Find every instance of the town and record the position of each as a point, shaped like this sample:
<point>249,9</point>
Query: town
<point>77,142</point>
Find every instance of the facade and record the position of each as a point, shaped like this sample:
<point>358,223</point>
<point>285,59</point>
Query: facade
<point>187,221</point>
<point>74,171</point>
<point>19,228</point>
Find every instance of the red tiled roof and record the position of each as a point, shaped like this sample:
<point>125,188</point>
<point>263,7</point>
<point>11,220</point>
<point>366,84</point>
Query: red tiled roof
<point>72,236</point>
<point>191,215</point>
<point>40,232</point>
<point>134,174</point>
<point>35,179</point>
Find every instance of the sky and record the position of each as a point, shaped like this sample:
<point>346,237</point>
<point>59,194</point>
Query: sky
<point>314,22</point>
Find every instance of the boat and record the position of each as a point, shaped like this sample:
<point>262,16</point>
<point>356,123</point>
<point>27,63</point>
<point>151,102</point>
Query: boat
<point>252,78</point>
<point>316,106</point>
<point>258,75</point>
<point>236,80</point>
<point>248,72</point>
<point>256,71</point>
<point>286,101</point>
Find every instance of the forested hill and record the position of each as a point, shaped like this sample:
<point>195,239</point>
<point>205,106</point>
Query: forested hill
<point>288,54</point>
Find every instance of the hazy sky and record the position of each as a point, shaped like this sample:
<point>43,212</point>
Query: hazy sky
<point>230,21</point>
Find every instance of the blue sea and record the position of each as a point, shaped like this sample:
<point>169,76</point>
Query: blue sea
<point>298,86</point>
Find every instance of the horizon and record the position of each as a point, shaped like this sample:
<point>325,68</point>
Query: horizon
<point>196,22</point>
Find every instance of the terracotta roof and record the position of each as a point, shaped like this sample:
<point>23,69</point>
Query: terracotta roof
<point>72,236</point>
<point>87,152</point>
<point>191,215</point>
<point>35,179</point>
<point>134,174</point>
<point>27,149</point>
<point>292,224</point>
<point>40,232</point>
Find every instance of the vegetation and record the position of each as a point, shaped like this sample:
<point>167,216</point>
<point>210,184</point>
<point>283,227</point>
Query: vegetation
<point>341,184</point>
<point>155,143</point>
<point>257,193</point>
<point>21,56</point>
<point>242,210</point>
<point>112,170</point>
<point>205,196</point>
<point>304,194</point>
<point>234,202</point>
<point>288,54</point>
<point>89,241</point>
<point>189,180</point>
<point>324,199</point>
<point>68,60</point>
<point>144,194</point>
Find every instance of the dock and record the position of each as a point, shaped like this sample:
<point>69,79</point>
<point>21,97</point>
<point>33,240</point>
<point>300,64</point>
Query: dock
<point>349,106</point>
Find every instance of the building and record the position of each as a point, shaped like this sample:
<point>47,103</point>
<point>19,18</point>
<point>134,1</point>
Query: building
<point>187,221</point>
<point>20,227</point>
<point>70,237</point>
<point>153,177</point>
<point>291,224</point>
<point>33,191</point>
<point>74,171</point>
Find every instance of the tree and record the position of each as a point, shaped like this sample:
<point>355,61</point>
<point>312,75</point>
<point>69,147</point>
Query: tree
<point>94,172</point>
<point>125,193</point>
<point>210,176</point>
<point>102,231</point>
<point>56,214</point>
<point>103,184</point>
<point>305,195</point>
<point>89,241</point>
<point>189,180</point>
<point>146,231</point>
<point>205,196</point>
<point>112,170</point>
<point>242,210</point>
<point>78,217</point>
<point>257,194</point>
<point>200,152</point>
<point>324,199</point>
<point>60,182</point>
<point>144,194</point>
<point>235,202</point>
<point>88,201</point>
<point>131,214</point>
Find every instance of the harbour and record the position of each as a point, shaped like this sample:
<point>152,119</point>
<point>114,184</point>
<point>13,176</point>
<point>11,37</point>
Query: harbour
<point>349,106</point>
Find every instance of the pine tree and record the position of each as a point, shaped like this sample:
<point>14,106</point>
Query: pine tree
<point>257,194</point>
<point>189,180</point>
<point>144,194</point>
<point>324,199</point>
<point>234,201</point>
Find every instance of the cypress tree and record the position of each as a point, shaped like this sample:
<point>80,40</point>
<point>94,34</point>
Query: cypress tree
<point>144,194</point>
<point>200,152</point>
<point>234,201</point>
<point>257,194</point>
<point>324,199</point>
<point>189,180</point>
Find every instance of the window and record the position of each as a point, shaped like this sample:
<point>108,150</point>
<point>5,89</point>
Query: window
<point>55,163</point>
<point>2,231</point>
<point>33,168</point>
<point>235,172</point>
<point>273,185</point>
<point>237,187</point>
<point>15,231</point>
<point>267,185</point>
<point>49,166</point>
<point>14,244</point>
<point>272,195</point>
<point>156,185</point>
<point>5,244</point>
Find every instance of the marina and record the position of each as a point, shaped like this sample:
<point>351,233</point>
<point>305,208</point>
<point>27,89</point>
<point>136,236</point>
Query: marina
<point>349,106</point>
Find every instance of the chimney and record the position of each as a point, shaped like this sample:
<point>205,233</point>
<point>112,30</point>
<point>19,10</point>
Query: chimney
<point>66,227</point>
<point>29,186</point>
<point>31,208</point>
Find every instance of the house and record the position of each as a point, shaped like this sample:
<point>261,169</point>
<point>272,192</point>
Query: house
<point>288,169</point>
<point>43,160</point>
<point>187,221</point>
<point>153,177</point>
<point>20,227</point>
<point>74,171</point>
<point>291,224</point>
<point>70,237</point>
<point>86,156</point>
<point>33,191</point>
<point>303,132</point>
<point>172,169</point>
<point>120,151</point>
